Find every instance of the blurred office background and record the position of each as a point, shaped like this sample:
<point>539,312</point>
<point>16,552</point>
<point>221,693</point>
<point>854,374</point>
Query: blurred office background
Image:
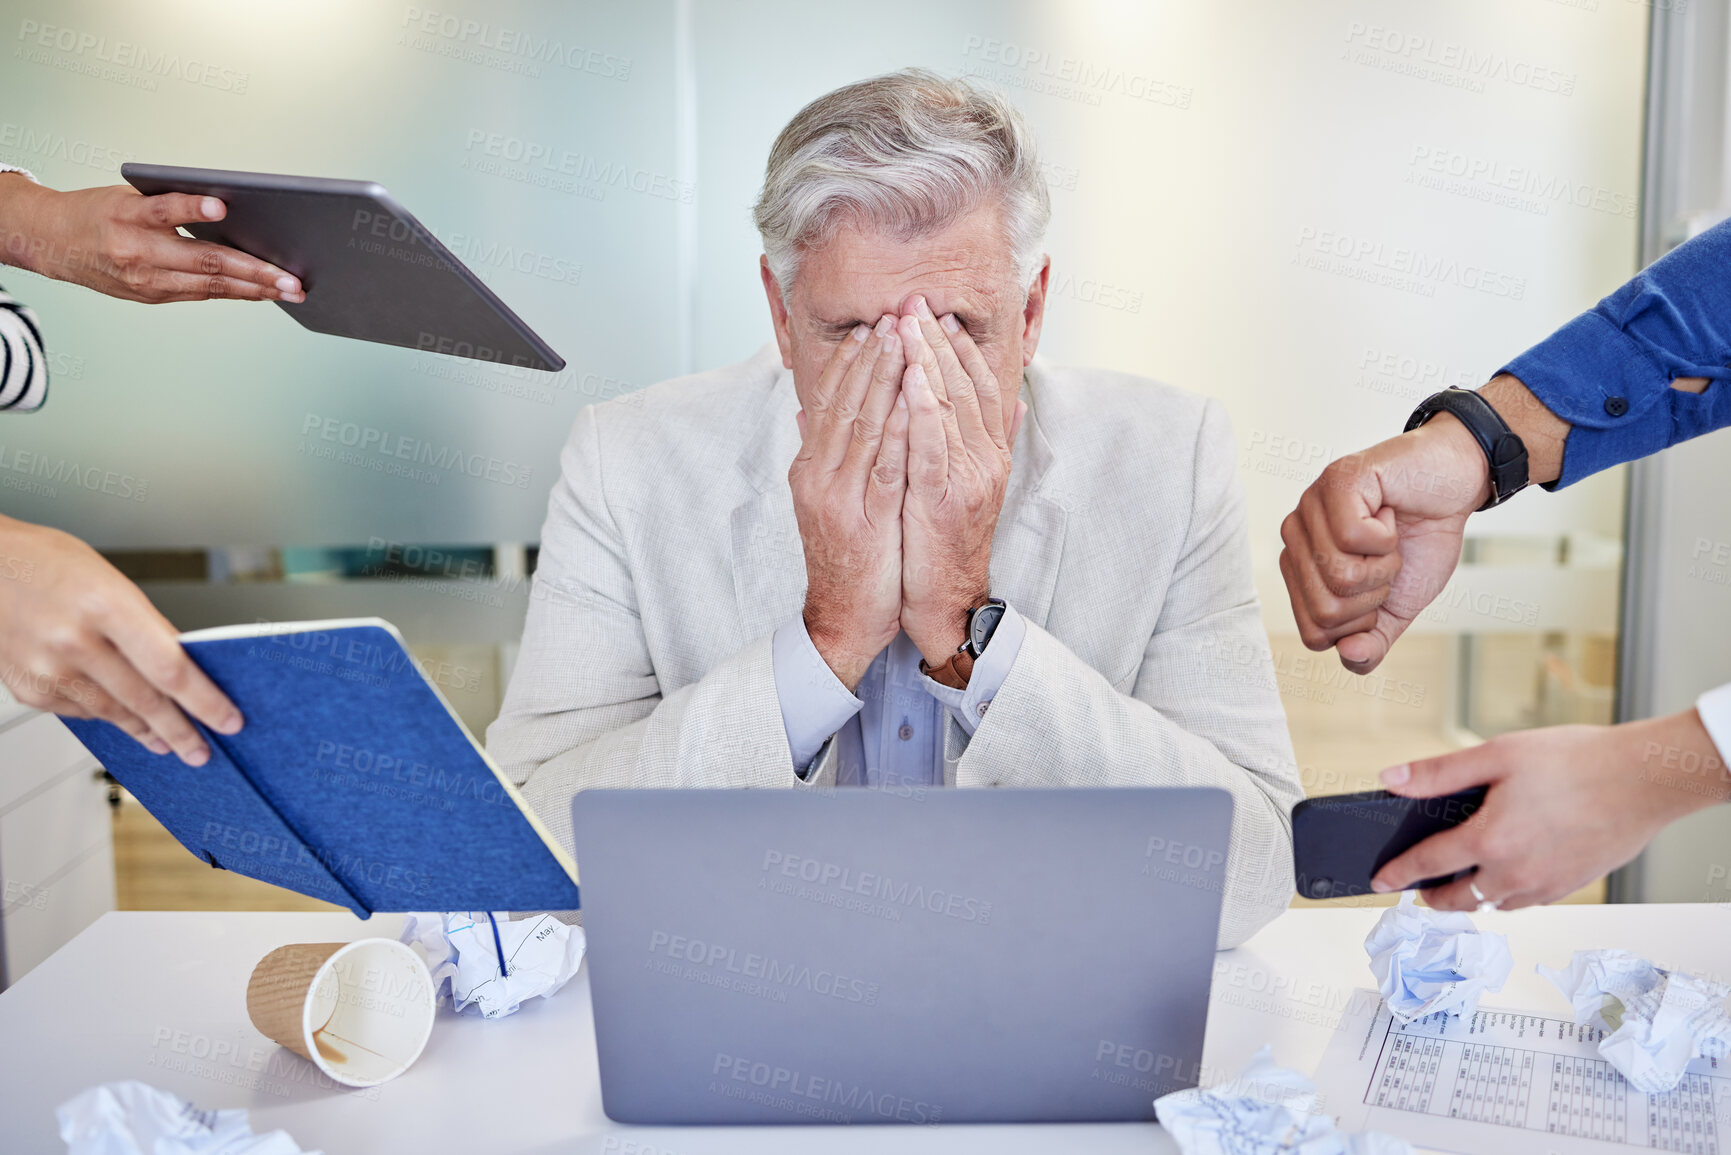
<point>1319,213</point>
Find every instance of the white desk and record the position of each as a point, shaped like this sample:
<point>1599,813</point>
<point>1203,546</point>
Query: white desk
<point>160,997</point>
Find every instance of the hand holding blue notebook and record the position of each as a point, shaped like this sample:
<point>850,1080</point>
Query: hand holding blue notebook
<point>352,781</point>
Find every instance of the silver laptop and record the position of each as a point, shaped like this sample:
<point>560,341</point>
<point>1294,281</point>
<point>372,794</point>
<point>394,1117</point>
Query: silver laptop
<point>899,956</point>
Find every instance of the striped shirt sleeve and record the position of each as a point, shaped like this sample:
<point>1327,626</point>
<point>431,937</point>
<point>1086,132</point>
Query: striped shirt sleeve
<point>23,364</point>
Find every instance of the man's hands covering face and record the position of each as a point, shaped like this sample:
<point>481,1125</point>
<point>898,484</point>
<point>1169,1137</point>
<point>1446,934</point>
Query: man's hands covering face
<point>848,480</point>
<point>958,465</point>
<point>897,487</point>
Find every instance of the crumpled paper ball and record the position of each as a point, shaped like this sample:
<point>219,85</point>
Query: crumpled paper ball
<point>1426,961</point>
<point>1266,1110</point>
<point>1658,1021</point>
<point>541,955</point>
<point>134,1118</point>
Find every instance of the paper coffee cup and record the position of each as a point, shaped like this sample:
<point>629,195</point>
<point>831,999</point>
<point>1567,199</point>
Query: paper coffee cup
<point>359,1011</point>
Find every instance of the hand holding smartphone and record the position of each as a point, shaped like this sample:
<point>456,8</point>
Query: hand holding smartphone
<point>1340,841</point>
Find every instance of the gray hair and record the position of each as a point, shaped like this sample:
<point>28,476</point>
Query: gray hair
<point>908,152</point>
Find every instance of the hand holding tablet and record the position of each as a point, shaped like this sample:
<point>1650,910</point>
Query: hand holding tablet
<point>370,269</point>
<point>124,244</point>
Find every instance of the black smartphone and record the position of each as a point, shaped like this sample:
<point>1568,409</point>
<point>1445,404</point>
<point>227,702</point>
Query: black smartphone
<point>1340,841</point>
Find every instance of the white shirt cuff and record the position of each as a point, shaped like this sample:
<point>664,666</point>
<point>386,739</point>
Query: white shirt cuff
<point>968,706</point>
<point>814,703</point>
<point>1715,709</point>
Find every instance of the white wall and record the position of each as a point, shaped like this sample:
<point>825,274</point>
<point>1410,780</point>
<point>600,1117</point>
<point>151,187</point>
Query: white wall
<point>1189,225</point>
<point>1691,641</point>
<point>1204,159</point>
<point>1680,633</point>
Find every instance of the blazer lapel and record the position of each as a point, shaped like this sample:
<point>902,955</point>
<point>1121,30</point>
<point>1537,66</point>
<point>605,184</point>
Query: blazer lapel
<point>1030,536</point>
<point>768,559</point>
<point>1029,541</point>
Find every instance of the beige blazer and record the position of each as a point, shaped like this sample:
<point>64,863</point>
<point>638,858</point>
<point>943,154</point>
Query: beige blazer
<point>670,555</point>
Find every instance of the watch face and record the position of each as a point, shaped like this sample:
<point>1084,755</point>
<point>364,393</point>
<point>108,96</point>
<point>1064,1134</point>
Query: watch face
<point>982,624</point>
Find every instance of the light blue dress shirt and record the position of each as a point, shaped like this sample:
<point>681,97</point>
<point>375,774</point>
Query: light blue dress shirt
<point>900,711</point>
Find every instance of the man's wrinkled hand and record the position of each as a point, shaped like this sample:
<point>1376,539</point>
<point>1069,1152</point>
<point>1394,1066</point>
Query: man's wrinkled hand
<point>958,467</point>
<point>848,481</point>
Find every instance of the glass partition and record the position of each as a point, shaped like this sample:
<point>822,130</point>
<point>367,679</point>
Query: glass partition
<point>1318,213</point>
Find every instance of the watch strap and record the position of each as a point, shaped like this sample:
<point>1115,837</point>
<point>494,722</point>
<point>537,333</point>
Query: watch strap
<point>956,671</point>
<point>953,673</point>
<point>1505,452</point>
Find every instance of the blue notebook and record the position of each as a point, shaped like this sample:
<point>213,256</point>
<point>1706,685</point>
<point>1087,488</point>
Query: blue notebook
<point>352,781</point>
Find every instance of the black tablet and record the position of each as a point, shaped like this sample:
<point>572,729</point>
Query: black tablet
<point>371,270</point>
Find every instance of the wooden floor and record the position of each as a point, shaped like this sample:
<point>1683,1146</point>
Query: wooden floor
<point>154,872</point>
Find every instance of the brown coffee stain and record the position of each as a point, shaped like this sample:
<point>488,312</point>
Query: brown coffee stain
<point>327,1052</point>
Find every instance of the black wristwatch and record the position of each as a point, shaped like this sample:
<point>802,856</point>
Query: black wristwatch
<point>1504,450</point>
<point>983,621</point>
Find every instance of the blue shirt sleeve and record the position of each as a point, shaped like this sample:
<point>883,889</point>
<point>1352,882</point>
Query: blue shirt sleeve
<point>814,703</point>
<point>1608,372</point>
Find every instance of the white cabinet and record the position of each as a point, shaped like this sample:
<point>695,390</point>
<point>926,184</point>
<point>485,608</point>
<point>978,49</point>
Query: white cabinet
<point>56,839</point>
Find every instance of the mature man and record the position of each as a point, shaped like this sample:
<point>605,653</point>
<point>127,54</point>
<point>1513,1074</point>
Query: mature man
<point>894,549</point>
